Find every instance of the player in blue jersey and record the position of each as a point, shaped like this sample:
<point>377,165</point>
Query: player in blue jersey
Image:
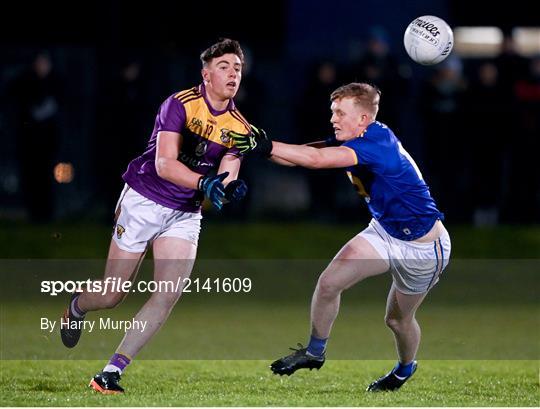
<point>405,236</point>
<point>189,157</point>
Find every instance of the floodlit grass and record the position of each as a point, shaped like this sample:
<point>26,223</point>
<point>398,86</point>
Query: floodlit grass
<point>257,240</point>
<point>250,383</point>
<point>480,325</point>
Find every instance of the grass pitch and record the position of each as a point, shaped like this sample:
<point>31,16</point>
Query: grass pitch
<point>208,332</point>
<point>250,383</point>
<point>257,240</point>
<point>485,324</point>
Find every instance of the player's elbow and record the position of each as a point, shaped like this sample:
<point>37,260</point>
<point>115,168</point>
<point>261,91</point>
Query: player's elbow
<point>315,162</point>
<point>162,167</point>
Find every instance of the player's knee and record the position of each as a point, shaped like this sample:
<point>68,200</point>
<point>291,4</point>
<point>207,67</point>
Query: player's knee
<point>327,287</point>
<point>397,324</point>
<point>111,300</point>
<point>393,323</point>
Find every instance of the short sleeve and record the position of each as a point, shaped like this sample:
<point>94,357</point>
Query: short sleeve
<point>234,151</point>
<point>367,152</point>
<point>171,116</point>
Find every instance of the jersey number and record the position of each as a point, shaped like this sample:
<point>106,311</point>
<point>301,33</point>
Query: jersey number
<point>411,161</point>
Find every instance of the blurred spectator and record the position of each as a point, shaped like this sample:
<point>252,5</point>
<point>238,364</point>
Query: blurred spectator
<point>379,67</point>
<point>314,105</point>
<point>513,70</point>
<point>444,139</point>
<point>511,66</point>
<point>523,204</point>
<point>123,114</point>
<point>36,95</point>
<point>251,96</point>
<point>487,143</point>
<point>312,125</point>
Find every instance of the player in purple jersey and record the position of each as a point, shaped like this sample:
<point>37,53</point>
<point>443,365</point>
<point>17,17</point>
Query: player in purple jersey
<point>188,157</point>
<point>405,236</point>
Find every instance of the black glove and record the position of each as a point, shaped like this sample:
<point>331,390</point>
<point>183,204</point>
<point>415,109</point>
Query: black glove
<point>256,141</point>
<point>235,191</point>
<point>213,189</point>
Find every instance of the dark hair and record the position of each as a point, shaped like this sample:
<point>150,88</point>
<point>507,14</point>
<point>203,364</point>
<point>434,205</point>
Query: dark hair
<point>366,95</point>
<point>222,47</point>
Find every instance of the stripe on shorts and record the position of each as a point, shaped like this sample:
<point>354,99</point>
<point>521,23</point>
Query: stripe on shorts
<point>439,255</point>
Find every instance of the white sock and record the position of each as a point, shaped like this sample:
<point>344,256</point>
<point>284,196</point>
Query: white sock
<point>112,368</point>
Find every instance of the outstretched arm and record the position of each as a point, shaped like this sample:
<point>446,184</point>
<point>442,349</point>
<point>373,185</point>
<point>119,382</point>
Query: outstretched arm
<point>302,155</point>
<point>313,158</point>
<point>283,162</point>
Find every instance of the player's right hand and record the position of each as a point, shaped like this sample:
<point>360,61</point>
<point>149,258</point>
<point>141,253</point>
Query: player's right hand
<point>256,141</point>
<point>235,191</point>
<point>213,189</point>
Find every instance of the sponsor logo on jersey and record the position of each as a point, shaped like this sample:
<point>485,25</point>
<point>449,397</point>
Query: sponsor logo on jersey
<point>192,162</point>
<point>195,125</point>
<point>225,138</point>
<point>196,122</point>
<point>201,148</point>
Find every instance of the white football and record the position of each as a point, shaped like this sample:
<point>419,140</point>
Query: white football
<point>428,40</point>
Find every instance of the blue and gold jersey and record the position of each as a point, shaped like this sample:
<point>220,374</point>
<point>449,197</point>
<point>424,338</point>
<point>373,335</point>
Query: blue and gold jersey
<point>391,184</point>
<point>205,142</point>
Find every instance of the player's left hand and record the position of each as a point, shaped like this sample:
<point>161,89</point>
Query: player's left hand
<point>235,190</point>
<point>256,141</point>
<point>213,189</point>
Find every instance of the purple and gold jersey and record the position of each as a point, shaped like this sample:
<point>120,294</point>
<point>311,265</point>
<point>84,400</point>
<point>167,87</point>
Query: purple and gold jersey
<point>391,184</point>
<point>204,144</point>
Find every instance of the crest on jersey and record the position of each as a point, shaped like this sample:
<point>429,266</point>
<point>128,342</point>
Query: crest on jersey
<point>120,230</point>
<point>225,138</point>
<point>200,150</point>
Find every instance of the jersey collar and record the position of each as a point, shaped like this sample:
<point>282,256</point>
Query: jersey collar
<point>230,105</point>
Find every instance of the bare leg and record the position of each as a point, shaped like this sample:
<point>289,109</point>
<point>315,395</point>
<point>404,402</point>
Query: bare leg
<point>173,260</point>
<point>121,264</point>
<point>400,318</point>
<point>354,262</point>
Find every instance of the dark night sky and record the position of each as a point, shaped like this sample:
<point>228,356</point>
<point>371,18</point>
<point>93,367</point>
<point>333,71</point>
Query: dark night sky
<point>140,24</point>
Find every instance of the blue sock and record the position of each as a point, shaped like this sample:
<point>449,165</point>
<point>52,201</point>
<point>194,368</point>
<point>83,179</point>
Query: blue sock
<point>316,346</point>
<point>404,370</point>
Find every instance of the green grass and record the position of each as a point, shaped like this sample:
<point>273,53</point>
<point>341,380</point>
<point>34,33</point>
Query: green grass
<point>250,383</point>
<point>216,354</point>
<point>481,324</point>
<point>257,240</point>
<point>233,329</point>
